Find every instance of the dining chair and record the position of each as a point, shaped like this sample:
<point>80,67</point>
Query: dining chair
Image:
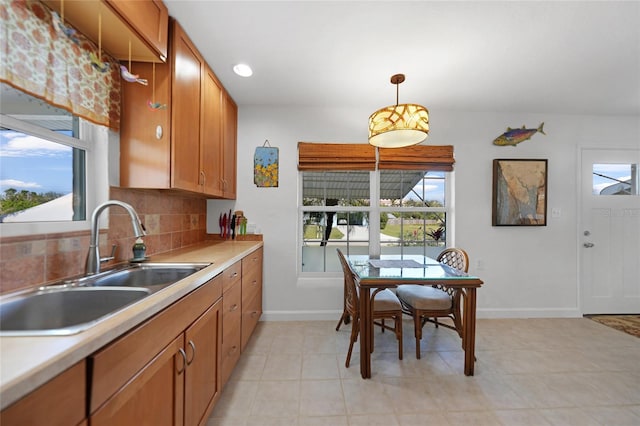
<point>428,303</point>
<point>385,305</point>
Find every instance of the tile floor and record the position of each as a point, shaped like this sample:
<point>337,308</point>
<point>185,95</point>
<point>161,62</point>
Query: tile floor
<point>528,372</point>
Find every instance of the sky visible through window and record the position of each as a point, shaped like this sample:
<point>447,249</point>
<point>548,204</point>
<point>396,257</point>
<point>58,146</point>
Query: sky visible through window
<point>606,175</point>
<point>34,164</point>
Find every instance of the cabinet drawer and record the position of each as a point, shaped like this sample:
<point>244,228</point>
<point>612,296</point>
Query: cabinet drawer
<point>252,262</point>
<point>251,287</point>
<point>251,312</point>
<point>231,275</point>
<point>230,349</point>
<point>231,307</point>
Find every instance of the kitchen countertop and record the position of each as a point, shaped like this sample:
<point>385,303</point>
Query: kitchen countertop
<point>28,362</point>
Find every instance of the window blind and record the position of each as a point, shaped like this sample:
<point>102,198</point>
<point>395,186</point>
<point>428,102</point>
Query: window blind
<point>417,157</point>
<point>334,156</point>
<point>329,156</point>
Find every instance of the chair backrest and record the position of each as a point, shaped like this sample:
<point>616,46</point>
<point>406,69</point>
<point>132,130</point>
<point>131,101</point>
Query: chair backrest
<point>350,290</point>
<point>456,258</point>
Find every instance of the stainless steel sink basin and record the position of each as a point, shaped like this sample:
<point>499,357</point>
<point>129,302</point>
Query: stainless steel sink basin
<point>61,311</point>
<point>74,305</point>
<point>158,275</point>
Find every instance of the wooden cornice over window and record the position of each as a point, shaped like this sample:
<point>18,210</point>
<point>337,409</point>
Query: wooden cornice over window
<point>334,156</point>
<point>417,157</point>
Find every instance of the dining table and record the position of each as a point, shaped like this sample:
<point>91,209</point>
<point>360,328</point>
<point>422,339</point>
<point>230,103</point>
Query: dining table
<point>393,270</point>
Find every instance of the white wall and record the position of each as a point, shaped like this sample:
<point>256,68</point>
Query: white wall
<point>528,271</point>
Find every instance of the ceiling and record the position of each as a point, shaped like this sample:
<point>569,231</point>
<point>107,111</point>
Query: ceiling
<point>575,57</point>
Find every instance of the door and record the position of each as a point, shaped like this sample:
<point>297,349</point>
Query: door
<point>610,231</point>
<point>203,352</point>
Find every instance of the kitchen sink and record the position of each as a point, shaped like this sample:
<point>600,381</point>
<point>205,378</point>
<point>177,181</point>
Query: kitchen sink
<point>71,306</point>
<point>61,311</point>
<point>156,275</point>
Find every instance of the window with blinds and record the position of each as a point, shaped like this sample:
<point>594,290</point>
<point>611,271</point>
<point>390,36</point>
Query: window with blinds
<point>391,201</point>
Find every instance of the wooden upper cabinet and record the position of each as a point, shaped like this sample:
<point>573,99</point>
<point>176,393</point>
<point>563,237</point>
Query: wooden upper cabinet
<point>187,71</point>
<point>145,133</point>
<point>230,133</point>
<point>143,23</point>
<point>190,144</point>
<point>211,161</point>
<point>150,19</point>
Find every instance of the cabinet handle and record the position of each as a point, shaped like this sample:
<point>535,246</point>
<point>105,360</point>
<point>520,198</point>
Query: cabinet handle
<point>204,177</point>
<point>255,282</point>
<point>193,350</point>
<point>233,350</point>
<point>254,313</point>
<point>234,307</point>
<point>184,360</point>
<point>235,274</point>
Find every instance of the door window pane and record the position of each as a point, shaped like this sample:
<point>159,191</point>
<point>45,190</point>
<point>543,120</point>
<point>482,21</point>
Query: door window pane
<point>615,179</point>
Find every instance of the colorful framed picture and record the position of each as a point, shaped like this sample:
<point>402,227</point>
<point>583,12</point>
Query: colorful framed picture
<point>265,167</point>
<point>519,192</point>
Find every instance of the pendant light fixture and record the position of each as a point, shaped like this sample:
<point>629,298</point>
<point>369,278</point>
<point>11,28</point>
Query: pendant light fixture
<point>398,125</point>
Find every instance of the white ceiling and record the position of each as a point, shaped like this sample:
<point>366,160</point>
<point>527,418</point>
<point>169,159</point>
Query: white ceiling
<point>576,57</point>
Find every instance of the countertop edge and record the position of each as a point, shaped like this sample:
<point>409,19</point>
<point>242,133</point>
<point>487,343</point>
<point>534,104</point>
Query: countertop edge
<point>26,363</point>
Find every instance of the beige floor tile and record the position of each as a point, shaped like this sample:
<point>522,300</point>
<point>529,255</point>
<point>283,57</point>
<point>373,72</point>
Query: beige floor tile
<point>551,371</point>
<point>282,367</point>
<point>373,420</point>
<point>320,366</point>
<point>276,399</point>
<point>434,418</point>
<point>323,421</point>
<point>321,398</point>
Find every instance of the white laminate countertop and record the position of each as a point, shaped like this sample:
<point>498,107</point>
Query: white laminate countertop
<point>28,362</point>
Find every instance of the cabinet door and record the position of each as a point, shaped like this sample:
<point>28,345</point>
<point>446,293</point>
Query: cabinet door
<point>231,317</point>
<point>152,397</point>
<point>211,135</point>
<point>203,341</point>
<point>61,401</point>
<point>185,111</point>
<point>230,142</point>
<point>145,133</point>
<point>150,19</point>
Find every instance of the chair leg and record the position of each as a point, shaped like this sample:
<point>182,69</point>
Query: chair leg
<point>343,319</point>
<point>355,328</point>
<point>417,325</point>
<point>398,322</point>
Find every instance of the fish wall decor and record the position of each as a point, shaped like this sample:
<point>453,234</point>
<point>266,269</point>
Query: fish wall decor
<point>514,136</point>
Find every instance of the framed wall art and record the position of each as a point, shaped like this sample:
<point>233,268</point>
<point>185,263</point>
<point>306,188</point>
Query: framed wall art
<point>519,192</point>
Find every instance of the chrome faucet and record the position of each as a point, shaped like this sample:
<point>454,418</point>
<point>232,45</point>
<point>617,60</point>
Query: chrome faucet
<point>93,257</point>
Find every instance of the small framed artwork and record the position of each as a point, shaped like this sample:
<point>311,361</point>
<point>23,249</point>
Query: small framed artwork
<point>265,166</point>
<point>519,192</point>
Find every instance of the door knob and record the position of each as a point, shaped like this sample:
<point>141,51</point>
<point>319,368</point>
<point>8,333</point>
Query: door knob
<point>588,245</point>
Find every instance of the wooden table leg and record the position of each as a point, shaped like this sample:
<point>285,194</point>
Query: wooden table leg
<point>365,332</point>
<point>469,326</point>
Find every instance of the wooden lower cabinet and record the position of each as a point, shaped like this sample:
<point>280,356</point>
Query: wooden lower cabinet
<point>152,397</point>
<point>251,294</point>
<point>61,401</point>
<point>178,384</point>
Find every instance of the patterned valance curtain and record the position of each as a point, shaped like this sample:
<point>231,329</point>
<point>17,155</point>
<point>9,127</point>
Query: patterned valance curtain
<point>46,58</point>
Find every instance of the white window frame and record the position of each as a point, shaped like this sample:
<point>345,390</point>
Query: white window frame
<point>373,210</point>
<point>94,140</point>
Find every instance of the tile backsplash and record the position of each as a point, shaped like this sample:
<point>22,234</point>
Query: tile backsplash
<point>172,221</point>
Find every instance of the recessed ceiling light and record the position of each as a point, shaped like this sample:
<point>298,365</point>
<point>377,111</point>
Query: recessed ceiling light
<point>243,70</point>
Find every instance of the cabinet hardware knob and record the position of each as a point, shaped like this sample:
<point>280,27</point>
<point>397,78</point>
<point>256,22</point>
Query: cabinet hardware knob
<point>233,307</point>
<point>193,351</point>
<point>184,360</point>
